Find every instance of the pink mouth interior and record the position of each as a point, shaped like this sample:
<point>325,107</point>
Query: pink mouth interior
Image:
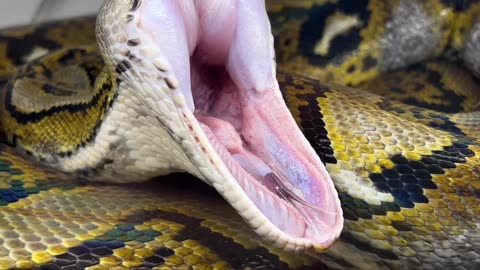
<point>226,48</point>
<point>252,135</point>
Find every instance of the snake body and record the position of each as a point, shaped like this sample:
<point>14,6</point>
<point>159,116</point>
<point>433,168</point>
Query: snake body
<point>407,177</point>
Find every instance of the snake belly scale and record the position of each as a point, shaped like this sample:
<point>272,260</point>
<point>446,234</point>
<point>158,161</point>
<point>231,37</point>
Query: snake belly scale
<point>407,176</point>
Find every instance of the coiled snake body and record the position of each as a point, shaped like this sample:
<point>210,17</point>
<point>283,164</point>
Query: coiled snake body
<point>407,177</point>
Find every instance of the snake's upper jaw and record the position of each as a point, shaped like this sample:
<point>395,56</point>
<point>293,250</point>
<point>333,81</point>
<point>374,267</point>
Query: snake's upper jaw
<point>242,138</point>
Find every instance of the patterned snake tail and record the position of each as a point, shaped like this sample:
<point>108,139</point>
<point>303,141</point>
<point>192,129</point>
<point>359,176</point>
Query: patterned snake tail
<point>191,86</point>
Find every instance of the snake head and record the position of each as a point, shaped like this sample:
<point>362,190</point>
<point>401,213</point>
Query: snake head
<point>204,71</point>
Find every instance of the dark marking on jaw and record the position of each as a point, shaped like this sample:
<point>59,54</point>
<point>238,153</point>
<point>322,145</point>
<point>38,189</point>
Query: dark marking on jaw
<point>133,42</point>
<point>135,5</point>
<point>130,18</point>
<point>123,66</point>
<point>132,57</point>
<point>126,53</point>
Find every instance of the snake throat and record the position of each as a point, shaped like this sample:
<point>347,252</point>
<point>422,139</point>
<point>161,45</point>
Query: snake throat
<point>224,59</point>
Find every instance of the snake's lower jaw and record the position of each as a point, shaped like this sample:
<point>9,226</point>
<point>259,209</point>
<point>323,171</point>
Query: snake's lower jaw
<point>273,177</point>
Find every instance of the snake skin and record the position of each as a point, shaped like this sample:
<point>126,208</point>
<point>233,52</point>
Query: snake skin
<point>408,177</point>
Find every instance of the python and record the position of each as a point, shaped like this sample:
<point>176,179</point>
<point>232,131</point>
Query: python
<point>166,96</point>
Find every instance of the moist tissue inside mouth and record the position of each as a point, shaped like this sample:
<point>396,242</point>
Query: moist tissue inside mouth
<point>220,106</point>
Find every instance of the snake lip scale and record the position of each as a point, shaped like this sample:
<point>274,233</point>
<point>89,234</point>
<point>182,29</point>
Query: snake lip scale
<point>229,107</point>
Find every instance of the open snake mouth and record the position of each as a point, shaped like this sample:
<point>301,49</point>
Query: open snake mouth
<point>254,136</point>
<point>222,54</point>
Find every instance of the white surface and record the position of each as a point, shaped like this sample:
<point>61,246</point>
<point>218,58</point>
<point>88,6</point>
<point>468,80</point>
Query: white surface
<point>16,12</point>
<point>61,9</point>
